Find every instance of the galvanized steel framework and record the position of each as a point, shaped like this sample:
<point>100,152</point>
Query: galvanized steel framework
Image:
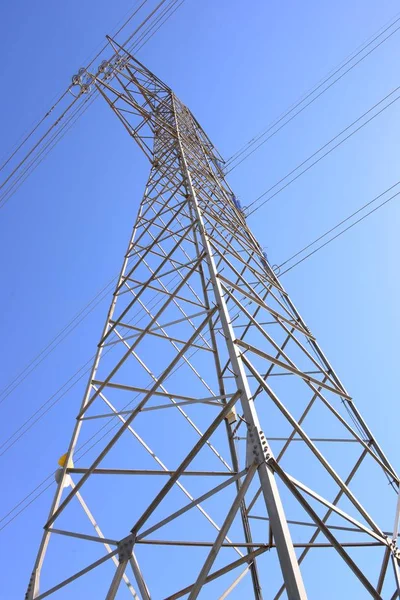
<point>203,351</point>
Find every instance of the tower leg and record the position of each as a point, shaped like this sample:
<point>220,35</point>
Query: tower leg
<point>287,557</point>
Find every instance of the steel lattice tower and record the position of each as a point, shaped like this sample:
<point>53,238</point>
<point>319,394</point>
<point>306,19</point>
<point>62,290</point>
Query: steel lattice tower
<point>205,363</point>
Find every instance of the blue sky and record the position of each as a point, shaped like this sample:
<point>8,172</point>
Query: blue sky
<point>237,66</point>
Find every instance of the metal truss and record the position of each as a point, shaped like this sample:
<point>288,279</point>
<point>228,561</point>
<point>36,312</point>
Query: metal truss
<point>222,449</point>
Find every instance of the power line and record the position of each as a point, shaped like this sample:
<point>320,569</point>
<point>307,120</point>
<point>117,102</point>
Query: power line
<point>143,23</point>
<point>43,152</point>
<point>288,260</point>
<point>77,460</point>
<point>37,144</point>
<point>327,152</point>
<point>35,128</point>
<point>31,421</point>
<point>29,503</point>
<point>28,169</point>
<point>308,95</point>
<point>152,305</point>
<point>105,426</point>
<point>30,133</point>
<point>163,22</point>
<point>56,341</point>
<point>55,398</point>
<point>130,15</point>
<point>18,380</point>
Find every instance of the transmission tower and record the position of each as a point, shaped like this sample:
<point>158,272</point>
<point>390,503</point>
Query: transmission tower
<point>216,452</point>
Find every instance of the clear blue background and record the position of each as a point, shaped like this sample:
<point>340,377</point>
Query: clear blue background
<point>238,66</point>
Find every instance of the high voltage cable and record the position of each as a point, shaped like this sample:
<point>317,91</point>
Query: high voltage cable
<point>50,144</point>
<point>59,98</point>
<point>340,223</point>
<point>144,22</point>
<point>313,88</point>
<point>47,114</point>
<point>303,98</point>
<point>68,124</point>
<point>144,42</point>
<point>326,153</point>
<point>79,111</point>
<point>55,398</point>
<point>60,337</point>
<point>166,10</point>
<point>79,457</point>
<point>80,448</point>
<point>125,23</point>
<point>173,3</point>
<point>29,503</point>
<point>287,175</point>
<point>29,135</point>
<point>337,226</point>
<point>54,339</point>
<point>234,158</point>
<point>21,178</point>
<point>31,151</point>
<point>31,421</point>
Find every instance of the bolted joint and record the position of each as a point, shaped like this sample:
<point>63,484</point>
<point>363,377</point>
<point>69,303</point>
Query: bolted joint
<point>32,589</point>
<point>125,548</point>
<point>258,450</point>
<point>395,550</point>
